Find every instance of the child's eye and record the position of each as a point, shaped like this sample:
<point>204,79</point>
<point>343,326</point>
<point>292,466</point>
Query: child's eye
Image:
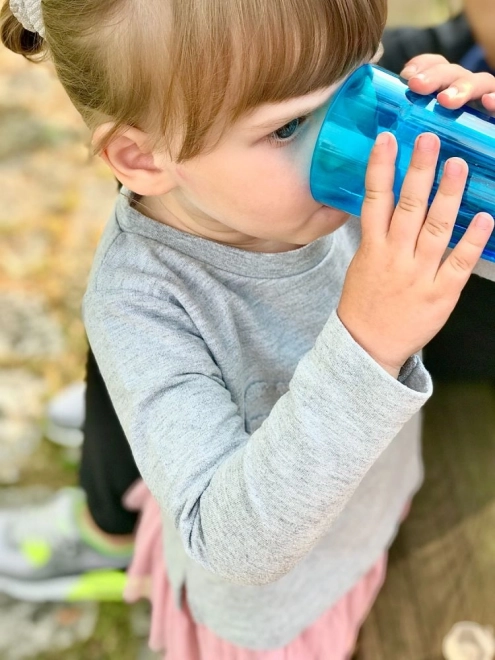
<point>288,131</point>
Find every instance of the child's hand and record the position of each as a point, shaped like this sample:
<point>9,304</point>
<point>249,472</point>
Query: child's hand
<point>398,293</point>
<point>428,73</point>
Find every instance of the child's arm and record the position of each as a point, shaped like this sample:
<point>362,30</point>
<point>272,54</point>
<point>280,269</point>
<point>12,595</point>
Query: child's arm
<point>247,507</point>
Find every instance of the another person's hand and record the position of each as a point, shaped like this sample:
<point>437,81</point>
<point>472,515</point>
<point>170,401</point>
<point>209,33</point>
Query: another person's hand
<point>398,293</point>
<point>428,73</point>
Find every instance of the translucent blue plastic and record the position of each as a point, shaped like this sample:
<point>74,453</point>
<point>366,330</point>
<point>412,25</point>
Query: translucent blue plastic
<point>373,100</point>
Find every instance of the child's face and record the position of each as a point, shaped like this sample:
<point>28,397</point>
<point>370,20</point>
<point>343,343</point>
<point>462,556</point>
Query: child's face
<point>252,190</point>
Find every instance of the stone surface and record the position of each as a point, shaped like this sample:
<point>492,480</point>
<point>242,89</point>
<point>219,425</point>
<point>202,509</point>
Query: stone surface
<point>139,617</point>
<point>55,201</point>
<point>20,412</point>
<point>27,330</point>
<point>28,629</point>
<point>22,131</point>
<point>16,496</point>
<point>144,653</point>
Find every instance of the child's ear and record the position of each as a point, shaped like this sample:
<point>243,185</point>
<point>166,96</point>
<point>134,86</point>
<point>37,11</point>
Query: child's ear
<point>134,165</point>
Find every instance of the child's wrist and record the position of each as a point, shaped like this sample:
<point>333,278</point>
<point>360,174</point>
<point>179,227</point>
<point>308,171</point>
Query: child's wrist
<point>390,369</point>
<point>375,349</point>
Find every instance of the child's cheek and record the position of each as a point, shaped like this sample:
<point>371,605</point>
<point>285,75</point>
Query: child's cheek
<point>298,164</point>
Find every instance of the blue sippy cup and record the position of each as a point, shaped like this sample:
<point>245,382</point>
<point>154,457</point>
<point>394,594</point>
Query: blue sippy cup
<point>373,100</point>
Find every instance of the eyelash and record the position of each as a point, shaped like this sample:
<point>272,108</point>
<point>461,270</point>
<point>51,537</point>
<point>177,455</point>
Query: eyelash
<point>278,141</point>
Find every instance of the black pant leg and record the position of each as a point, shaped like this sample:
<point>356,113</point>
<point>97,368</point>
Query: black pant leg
<point>464,349</point>
<point>107,465</point>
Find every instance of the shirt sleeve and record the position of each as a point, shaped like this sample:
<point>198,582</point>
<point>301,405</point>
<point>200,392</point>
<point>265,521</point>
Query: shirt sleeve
<point>247,507</point>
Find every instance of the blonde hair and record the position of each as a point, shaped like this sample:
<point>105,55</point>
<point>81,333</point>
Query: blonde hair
<point>183,70</point>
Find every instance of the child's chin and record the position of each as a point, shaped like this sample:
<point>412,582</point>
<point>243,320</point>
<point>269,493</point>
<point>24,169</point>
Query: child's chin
<point>325,221</point>
<point>333,216</point>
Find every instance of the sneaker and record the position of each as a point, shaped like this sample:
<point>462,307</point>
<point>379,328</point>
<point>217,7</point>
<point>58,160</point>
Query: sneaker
<point>45,555</point>
<point>469,641</point>
<point>65,416</point>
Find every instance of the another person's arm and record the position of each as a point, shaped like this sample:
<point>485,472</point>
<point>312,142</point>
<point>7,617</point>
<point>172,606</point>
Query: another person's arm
<point>451,39</point>
<point>481,17</point>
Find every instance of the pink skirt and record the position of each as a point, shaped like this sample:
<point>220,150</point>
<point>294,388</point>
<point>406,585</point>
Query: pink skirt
<point>331,637</point>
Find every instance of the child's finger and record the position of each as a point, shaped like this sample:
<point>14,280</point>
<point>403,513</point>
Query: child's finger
<point>421,62</point>
<point>458,266</point>
<point>465,89</point>
<point>378,204</point>
<point>437,228</point>
<point>411,209</point>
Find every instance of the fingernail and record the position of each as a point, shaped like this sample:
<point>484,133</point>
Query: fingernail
<point>451,92</point>
<point>491,96</point>
<point>382,139</point>
<point>426,142</point>
<point>419,76</point>
<point>454,167</point>
<point>408,71</point>
<point>483,221</point>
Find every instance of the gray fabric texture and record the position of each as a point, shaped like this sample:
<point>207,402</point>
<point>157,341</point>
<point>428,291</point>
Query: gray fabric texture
<point>280,453</point>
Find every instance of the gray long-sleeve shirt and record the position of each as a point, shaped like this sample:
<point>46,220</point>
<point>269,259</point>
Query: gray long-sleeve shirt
<point>280,453</point>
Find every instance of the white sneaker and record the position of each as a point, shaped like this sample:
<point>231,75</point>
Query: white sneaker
<point>65,416</point>
<point>45,557</point>
<point>469,641</point>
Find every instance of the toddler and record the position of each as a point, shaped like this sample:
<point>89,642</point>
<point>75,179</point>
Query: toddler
<point>260,351</point>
